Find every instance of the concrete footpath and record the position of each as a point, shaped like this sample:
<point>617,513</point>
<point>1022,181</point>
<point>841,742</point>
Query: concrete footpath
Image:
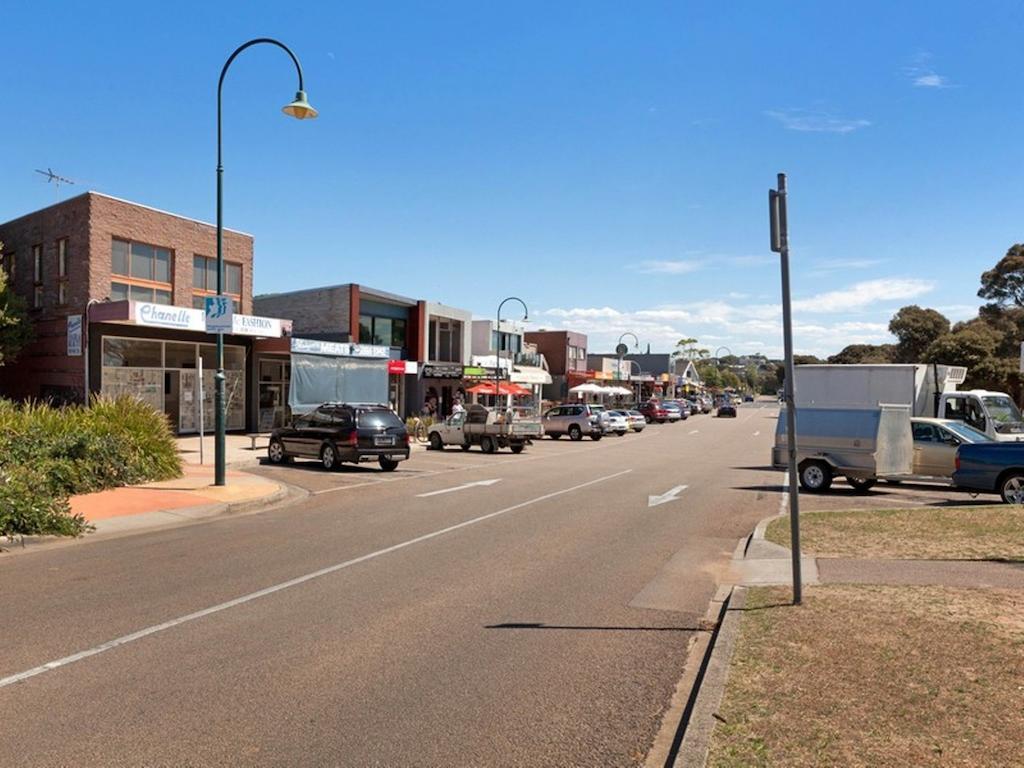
<point>189,497</point>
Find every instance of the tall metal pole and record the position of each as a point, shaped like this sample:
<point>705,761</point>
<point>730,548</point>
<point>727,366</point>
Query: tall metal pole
<point>780,243</point>
<point>219,415</point>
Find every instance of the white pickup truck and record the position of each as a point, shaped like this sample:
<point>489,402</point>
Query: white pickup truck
<point>489,429</point>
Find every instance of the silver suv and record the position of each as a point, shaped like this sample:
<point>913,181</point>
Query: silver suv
<point>575,421</point>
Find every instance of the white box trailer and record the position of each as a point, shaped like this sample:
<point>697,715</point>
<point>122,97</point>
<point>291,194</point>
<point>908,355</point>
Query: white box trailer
<point>861,444</point>
<point>867,386</point>
<point>929,390</point>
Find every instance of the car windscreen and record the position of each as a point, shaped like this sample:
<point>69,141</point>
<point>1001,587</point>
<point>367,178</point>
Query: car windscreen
<point>968,434</point>
<point>377,418</point>
<point>1002,409</point>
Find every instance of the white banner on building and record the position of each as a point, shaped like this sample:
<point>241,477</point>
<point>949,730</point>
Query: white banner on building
<point>74,335</point>
<point>164,316</point>
<point>253,325</point>
<point>339,349</point>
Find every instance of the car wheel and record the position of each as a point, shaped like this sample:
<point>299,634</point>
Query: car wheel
<point>388,465</point>
<point>465,446</point>
<point>861,484</point>
<point>619,434</point>
<point>815,476</point>
<point>554,435</point>
<point>596,436</point>
<point>436,443</point>
<point>328,456</point>
<point>575,433</point>
<point>1011,488</point>
<point>487,444</point>
<point>517,447</point>
<point>275,452</point>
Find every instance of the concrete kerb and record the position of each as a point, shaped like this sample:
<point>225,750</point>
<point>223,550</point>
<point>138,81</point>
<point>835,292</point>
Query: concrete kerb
<point>684,737</point>
<point>117,527</point>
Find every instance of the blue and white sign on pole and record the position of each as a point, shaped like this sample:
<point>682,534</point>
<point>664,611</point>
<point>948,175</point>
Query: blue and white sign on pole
<point>220,313</point>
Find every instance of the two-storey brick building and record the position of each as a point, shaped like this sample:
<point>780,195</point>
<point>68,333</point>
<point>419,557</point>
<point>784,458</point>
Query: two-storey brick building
<point>566,356</point>
<point>114,291</point>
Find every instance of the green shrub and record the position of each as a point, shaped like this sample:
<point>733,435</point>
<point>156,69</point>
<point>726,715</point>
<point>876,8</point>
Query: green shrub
<point>48,454</point>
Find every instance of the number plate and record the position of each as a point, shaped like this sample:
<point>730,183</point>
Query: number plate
<point>383,440</point>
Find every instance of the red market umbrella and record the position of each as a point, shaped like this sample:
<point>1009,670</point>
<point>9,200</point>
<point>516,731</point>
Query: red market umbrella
<point>505,388</point>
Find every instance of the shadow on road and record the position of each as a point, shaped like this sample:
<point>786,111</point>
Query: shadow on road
<point>539,625</point>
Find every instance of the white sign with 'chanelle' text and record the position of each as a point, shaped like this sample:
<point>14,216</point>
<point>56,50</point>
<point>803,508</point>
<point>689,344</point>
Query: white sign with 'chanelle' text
<point>164,316</point>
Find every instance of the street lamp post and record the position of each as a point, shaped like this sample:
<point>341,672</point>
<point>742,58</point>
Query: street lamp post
<point>621,350</point>
<point>300,109</point>
<point>497,346</point>
<point>639,384</point>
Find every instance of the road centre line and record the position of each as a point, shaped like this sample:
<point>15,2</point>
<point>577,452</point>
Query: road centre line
<point>152,630</point>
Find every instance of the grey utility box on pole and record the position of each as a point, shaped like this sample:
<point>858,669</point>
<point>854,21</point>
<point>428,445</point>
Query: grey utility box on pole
<point>780,244</point>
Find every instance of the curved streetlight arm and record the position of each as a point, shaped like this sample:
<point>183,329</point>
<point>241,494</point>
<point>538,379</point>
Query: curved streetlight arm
<point>636,345</point>
<point>497,346</point>
<point>227,64</point>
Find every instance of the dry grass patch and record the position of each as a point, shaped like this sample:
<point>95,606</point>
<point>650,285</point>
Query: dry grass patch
<point>875,676</point>
<point>970,533</point>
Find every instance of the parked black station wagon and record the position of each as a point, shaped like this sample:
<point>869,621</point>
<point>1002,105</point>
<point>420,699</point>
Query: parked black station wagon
<point>336,433</point>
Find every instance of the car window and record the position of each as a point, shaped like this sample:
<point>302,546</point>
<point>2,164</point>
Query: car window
<point>376,418</point>
<point>321,417</point>
<point>970,434</point>
<point>925,433</point>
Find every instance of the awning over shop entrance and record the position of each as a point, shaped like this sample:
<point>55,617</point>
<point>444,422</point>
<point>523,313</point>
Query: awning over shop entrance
<point>528,374</point>
<point>487,388</point>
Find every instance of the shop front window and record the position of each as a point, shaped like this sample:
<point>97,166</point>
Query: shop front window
<point>132,353</point>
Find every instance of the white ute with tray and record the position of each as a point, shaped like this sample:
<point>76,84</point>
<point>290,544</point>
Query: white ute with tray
<point>489,429</point>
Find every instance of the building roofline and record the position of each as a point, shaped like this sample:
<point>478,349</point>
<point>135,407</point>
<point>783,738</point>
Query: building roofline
<point>371,293</point>
<point>94,193</point>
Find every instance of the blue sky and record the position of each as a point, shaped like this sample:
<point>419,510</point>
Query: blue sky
<point>607,162</point>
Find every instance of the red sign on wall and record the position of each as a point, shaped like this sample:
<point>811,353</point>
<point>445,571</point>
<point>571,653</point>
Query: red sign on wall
<point>396,366</point>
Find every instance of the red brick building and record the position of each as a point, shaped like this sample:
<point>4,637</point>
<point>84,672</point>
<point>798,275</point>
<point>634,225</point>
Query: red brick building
<point>566,354</point>
<point>114,290</point>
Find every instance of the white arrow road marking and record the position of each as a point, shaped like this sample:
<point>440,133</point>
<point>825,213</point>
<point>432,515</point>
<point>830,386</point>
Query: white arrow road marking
<point>694,431</point>
<point>758,432</point>
<point>457,488</point>
<point>669,495</point>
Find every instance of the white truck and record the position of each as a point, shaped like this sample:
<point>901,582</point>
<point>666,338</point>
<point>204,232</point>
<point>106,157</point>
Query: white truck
<point>929,390</point>
<point>854,420</point>
<point>487,428</point>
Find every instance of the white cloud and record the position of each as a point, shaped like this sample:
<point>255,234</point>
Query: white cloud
<point>833,265</point>
<point>922,75</point>
<point>670,267</point>
<point>586,312</point>
<point>814,121</point>
<point>931,80</point>
<point>862,294</point>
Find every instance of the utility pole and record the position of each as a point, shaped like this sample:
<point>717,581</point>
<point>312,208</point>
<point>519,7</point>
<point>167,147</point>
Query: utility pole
<point>780,244</point>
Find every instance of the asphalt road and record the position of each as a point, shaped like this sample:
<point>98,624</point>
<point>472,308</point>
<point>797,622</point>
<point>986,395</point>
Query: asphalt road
<point>541,620</point>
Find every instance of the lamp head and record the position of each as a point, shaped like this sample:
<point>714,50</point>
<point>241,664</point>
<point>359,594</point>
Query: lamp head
<point>300,108</point>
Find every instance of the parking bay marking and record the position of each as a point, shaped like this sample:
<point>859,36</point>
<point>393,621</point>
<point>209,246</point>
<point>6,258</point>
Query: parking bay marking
<point>458,488</point>
<point>170,624</point>
<point>670,495</point>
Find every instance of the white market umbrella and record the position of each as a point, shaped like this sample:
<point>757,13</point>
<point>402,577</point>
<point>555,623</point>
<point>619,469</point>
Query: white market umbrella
<point>587,389</point>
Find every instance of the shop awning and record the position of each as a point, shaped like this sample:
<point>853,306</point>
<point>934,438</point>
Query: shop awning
<point>529,374</point>
<point>505,388</point>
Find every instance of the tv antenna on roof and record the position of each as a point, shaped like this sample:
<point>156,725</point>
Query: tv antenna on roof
<point>55,178</point>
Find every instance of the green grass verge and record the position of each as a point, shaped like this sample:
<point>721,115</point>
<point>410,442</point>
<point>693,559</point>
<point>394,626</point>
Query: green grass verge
<point>874,676</point>
<point>993,532</point>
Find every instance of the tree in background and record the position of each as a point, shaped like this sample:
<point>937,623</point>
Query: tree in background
<point>865,353</point>
<point>15,331</point>
<point>916,329</point>
<point>1004,283</point>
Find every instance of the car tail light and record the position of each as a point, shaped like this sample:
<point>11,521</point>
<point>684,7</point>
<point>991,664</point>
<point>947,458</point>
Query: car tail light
<point>408,439</point>
<point>957,462</point>
<point>353,439</point>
